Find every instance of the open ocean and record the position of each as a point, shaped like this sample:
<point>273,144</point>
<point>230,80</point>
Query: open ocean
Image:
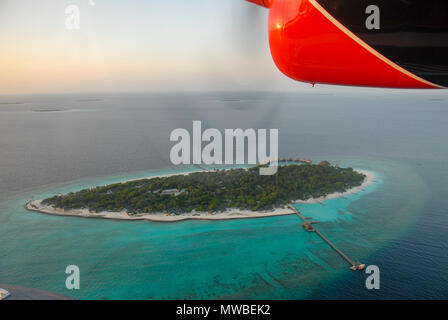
<point>59,143</point>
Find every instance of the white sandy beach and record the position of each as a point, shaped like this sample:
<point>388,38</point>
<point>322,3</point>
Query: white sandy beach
<point>36,205</point>
<point>369,179</point>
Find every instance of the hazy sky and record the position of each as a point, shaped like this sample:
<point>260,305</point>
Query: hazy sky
<point>136,45</point>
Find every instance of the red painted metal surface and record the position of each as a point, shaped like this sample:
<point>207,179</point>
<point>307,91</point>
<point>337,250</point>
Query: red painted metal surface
<point>263,3</point>
<point>308,46</point>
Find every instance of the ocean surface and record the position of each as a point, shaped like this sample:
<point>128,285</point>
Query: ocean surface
<point>60,143</point>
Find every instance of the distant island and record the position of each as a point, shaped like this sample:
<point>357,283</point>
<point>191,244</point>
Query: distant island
<point>220,194</point>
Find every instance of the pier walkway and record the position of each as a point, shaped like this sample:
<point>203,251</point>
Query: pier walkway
<point>307,224</point>
<point>202,167</point>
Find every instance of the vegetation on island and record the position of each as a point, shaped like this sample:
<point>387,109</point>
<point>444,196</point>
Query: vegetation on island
<point>214,191</point>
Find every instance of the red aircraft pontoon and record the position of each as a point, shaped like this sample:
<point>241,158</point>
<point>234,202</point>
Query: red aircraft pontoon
<point>375,43</point>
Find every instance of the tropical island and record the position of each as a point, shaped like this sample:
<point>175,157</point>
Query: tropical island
<point>219,194</point>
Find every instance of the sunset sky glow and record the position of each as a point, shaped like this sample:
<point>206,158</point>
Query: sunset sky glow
<point>122,45</point>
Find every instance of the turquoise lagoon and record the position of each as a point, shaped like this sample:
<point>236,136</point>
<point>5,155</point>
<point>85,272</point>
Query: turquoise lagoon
<point>271,258</point>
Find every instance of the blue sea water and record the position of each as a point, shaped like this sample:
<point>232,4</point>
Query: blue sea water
<point>399,223</point>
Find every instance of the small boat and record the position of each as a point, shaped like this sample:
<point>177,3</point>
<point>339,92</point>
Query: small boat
<point>4,294</point>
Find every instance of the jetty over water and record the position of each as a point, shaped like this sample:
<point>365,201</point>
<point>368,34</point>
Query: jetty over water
<point>308,226</point>
<point>201,167</point>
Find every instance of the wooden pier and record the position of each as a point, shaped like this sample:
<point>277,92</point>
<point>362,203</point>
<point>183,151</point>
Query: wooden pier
<point>307,224</point>
<point>202,167</point>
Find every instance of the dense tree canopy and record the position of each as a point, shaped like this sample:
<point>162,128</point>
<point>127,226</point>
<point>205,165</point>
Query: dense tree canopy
<point>213,191</point>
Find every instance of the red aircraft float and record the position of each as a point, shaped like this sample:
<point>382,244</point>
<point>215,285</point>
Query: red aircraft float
<point>375,43</point>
